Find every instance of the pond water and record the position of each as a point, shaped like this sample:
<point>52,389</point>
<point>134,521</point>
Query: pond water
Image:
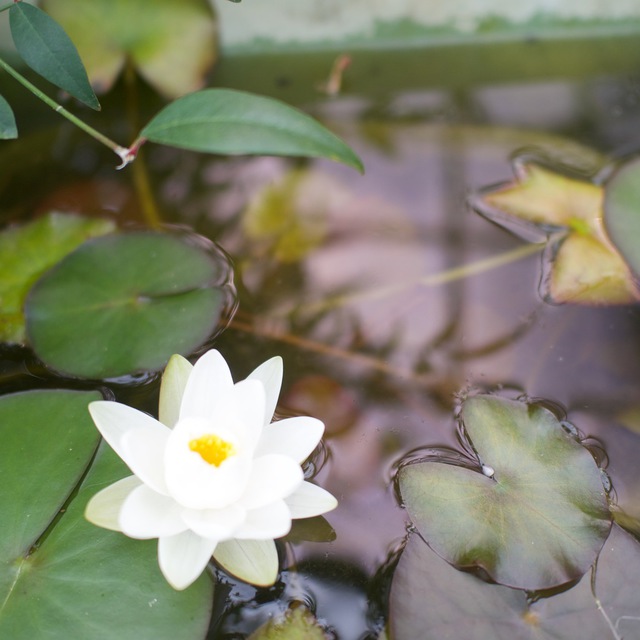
<point>352,280</point>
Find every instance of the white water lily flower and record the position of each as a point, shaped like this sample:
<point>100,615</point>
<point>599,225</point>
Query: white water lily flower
<point>212,476</point>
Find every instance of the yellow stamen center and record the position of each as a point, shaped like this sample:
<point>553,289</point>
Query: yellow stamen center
<point>212,449</point>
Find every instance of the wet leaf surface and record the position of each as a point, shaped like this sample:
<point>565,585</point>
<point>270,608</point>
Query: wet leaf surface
<point>125,303</point>
<point>234,122</point>
<point>539,521</point>
<point>172,46</point>
<point>28,251</point>
<point>583,265</point>
<point>47,49</point>
<point>431,600</point>
<point>298,623</point>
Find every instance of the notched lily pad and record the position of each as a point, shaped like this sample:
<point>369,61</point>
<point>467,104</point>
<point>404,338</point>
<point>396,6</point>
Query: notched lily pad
<point>28,251</point>
<point>583,266</point>
<point>539,521</point>
<point>125,303</point>
<point>171,44</point>
<point>431,600</point>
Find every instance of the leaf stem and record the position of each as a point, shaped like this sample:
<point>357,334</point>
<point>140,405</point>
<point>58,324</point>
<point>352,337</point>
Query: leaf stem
<point>7,6</point>
<point>125,154</point>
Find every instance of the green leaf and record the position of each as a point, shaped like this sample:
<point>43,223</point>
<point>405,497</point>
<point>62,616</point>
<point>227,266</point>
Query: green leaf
<point>430,600</point>
<point>47,442</point>
<point>298,623</point>
<point>125,303</point>
<point>47,49</point>
<point>622,212</point>
<point>28,251</point>
<point>538,522</point>
<point>8,128</point>
<point>171,44</point>
<point>87,582</point>
<point>234,122</point>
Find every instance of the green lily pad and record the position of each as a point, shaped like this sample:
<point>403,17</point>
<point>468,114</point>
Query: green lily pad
<point>432,600</point>
<point>8,128</point>
<point>28,251</point>
<point>297,623</point>
<point>125,303</point>
<point>539,521</point>
<point>171,44</point>
<point>622,212</point>
<point>235,122</point>
<point>584,267</point>
<point>47,49</point>
<point>79,581</point>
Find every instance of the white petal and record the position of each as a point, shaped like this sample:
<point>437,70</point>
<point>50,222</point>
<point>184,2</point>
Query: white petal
<point>293,437</point>
<point>310,500</point>
<point>214,523</point>
<point>270,374</point>
<point>249,409</point>
<point>103,509</point>
<point>147,514</point>
<point>209,381</point>
<point>174,382</point>
<point>183,557</point>
<point>272,478</point>
<point>114,420</point>
<point>254,561</point>
<point>265,523</point>
<point>144,452</point>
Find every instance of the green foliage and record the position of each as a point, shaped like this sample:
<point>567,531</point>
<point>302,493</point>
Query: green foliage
<point>298,623</point>
<point>8,128</point>
<point>430,600</point>
<point>79,581</point>
<point>27,252</point>
<point>234,122</point>
<point>538,522</point>
<point>125,303</point>
<point>46,48</point>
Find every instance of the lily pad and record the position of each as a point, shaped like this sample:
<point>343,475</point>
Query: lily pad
<point>538,521</point>
<point>47,49</point>
<point>8,128</point>
<point>432,600</point>
<point>235,122</point>
<point>71,583</point>
<point>622,211</point>
<point>297,623</point>
<point>172,44</point>
<point>28,251</point>
<point>125,303</point>
<point>584,267</point>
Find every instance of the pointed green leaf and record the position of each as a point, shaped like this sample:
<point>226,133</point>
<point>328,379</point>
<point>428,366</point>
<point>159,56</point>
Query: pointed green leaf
<point>8,128</point>
<point>536,518</point>
<point>237,123</point>
<point>47,49</point>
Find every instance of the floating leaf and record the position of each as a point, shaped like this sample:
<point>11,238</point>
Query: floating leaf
<point>622,212</point>
<point>8,128</point>
<point>584,267</point>
<point>537,522</point>
<point>298,623</point>
<point>171,44</point>
<point>47,49</point>
<point>28,251</point>
<point>234,122</point>
<point>80,581</point>
<point>431,600</point>
<point>125,303</point>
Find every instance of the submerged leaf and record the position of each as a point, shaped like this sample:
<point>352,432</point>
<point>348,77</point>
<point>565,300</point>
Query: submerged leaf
<point>297,624</point>
<point>538,521</point>
<point>8,128</point>
<point>430,600</point>
<point>47,49</point>
<point>583,266</point>
<point>171,44</point>
<point>126,303</point>
<point>28,251</point>
<point>235,122</point>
